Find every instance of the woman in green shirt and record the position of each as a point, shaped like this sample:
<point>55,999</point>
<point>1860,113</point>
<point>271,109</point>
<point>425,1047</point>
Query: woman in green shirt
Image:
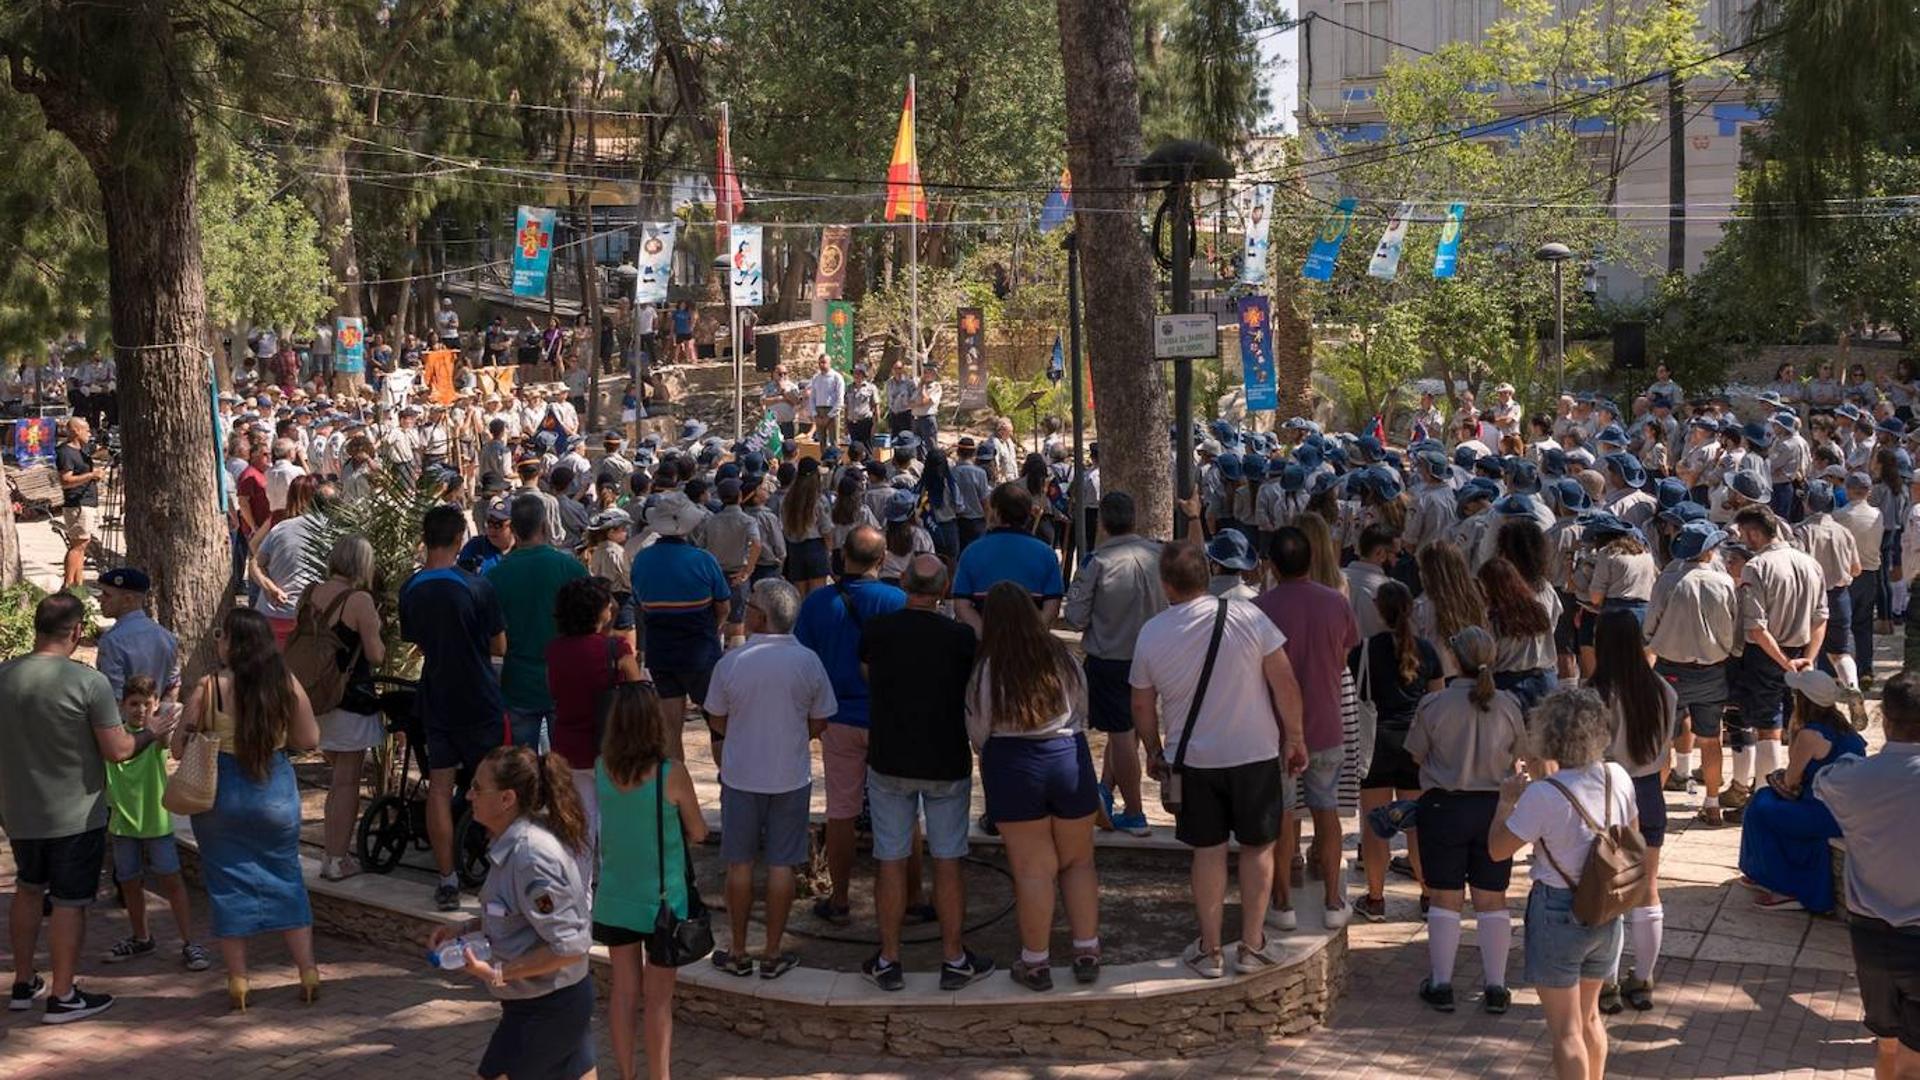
<point>639,841</point>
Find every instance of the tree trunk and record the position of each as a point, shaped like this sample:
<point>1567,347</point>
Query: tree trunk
<point>793,279</point>
<point>1103,137</point>
<point>333,206</point>
<point>9,546</point>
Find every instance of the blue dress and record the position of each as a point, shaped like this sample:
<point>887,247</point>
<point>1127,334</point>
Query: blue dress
<point>1783,842</point>
<point>250,846</point>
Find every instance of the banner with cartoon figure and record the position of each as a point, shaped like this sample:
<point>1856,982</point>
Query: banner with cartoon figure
<point>654,262</point>
<point>1253,261</point>
<point>1386,255</point>
<point>33,441</point>
<point>532,250</point>
<point>745,278</point>
<point>349,345</point>
<point>1326,244</point>
<point>1446,254</point>
<point>1256,353</point>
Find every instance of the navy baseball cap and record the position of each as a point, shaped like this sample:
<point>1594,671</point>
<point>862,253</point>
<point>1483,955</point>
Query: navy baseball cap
<point>129,578</point>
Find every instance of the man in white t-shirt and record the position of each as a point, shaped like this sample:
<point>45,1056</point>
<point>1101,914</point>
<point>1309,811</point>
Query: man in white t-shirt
<point>282,473</point>
<point>826,393</point>
<point>1232,781</point>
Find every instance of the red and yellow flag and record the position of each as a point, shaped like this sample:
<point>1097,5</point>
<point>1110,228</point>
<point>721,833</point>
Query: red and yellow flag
<point>727,199</point>
<point>905,196</point>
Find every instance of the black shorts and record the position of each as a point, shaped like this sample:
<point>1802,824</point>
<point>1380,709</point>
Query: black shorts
<point>1701,690</point>
<point>615,936</point>
<point>1109,695</point>
<point>1652,804</point>
<point>1758,687</point>
<point>461,748</point>
<point>1887,963</point>
<point>1392,767</point>
<point>66,868</point>
<point>550,1036</point>
<point>1242,801</point>
<point>1453,841</point>
<point>691,685</point>
<point>1563,630</point>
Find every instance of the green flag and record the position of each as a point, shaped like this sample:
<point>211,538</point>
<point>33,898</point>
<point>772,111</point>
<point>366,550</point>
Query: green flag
<point>765,437</point>
<point>840,335</point>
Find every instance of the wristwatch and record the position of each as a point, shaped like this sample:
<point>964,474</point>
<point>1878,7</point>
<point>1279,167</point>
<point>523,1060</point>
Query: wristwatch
<point>499,975</point>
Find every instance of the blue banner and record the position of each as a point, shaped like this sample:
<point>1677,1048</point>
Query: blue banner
<point>1446,255</point>
<point>1256,353</point>
<point>532,250</point>
<point>1057,362</point>
<point>1326,246</point>
<point>349,345</point>
<point>34,441</point>
<point>654,263</point>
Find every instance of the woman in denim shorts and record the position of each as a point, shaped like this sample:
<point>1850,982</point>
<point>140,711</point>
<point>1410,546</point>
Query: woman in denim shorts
<point>1566,960</point>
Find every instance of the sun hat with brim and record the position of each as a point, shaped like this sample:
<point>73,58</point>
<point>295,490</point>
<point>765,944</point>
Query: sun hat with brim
<point>1892,425</point>
<point>1851,411</point>
<point>1629,468</point>
<point>1253,466</point>
<point>1757,435</point>
<point>1293,477</point>
<point>1433,463</point>
<point>1522,476</point>
<point>1569,494</point>
<point>1670,491</point>
<point>1553,462</point>
<point>1516,505</point>
<point>610,518</point>
<point>1475,489</point>
<point>1748,486</point>
<point>1601,526</point>
<point>1230,466</point>
<point>1683,513</point>
<point>900,506</point>
<point>1821,688</point>
<point>1785,420</point>
<point>1229,548</point>
<point>1695,539</point>
<point>1309,456</point>
<point>1611,435</point>
<point>1819,497</point>
<point>1706,423</point>
<point>1385,485</point>
<point>672,514</point>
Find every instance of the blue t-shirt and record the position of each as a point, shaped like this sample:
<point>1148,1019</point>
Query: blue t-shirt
<point>453,615</point>
<point>676,585</point>
<point>683,322</point>
<point>1008,555</point>
<point>833,633</point>
<point>478,555</point>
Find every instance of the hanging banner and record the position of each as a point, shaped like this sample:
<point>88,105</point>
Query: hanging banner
<point>437,367</point>
<point>349,345</point>
<point>1253,261</point>
<point>1256,353</point>
<point>532,250</point>
<point>973,359</point>
<point>34,441</point>
<point>1326,245</point>
<point>1386,255</point>
<point>1057,210</point>
<point>830,276</point>
<point>746,281</point>
<point>1446,254</point>
<point>840,335</point>
<point>1057,362</point>
<point>654,262</point>
<point>765,437</point>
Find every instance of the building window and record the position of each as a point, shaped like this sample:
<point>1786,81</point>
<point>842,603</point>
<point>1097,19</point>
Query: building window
<point>1473,18</point>
<point>1732,20</point>
<point>1365,44</point>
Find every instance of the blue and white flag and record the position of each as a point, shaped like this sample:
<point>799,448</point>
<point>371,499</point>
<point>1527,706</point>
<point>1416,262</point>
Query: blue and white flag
<point>1057,363</point>
<point>654,261</point>
<point>349,345</point>
<point>1386,254</point>
<point>1326,245</point>
<point>1446,254</point>
<point>1256,353</point>
<point>532,250</point>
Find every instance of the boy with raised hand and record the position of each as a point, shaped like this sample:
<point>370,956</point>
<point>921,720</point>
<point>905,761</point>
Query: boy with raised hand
<point>141,832</point>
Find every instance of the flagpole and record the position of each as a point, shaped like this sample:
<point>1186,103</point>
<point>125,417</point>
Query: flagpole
<point>723,204</point>
<point>913,231</point>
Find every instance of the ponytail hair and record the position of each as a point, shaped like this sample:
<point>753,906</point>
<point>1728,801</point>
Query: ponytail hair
<point>543,788</point>
<point>1394,603</point>
<point>1473,647</point>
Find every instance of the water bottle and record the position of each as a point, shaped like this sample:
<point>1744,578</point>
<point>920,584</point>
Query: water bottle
<point>451,955</point>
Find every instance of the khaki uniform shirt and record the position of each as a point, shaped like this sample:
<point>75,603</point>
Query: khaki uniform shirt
<point>1692,618</point>
<point>1831,545</point>
<point>1461,748</point>
<point>1783,592</point>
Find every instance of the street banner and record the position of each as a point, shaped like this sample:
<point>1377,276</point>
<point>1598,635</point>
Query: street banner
<point>765,437</point>
<point>1446,254</point>
<point>437,366</point>
<point>1256,353</point>
<point>654,262</point>
<point>840,335</point>
<point>1057,362</point>
<point>830,276</point>
<point>350,345</point>
<point>34,441</point>
<point>973,359</point>
<point>1386,255</point>
<point>746,280</point>
<point>1326,245</point>
<point>1253,261</point>
<point>532,250</point>
<point>1057,210</point>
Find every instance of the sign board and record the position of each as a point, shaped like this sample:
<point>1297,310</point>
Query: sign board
<point>1185,337</point>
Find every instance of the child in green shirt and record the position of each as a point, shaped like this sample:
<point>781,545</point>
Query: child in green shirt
<point>142,834</point>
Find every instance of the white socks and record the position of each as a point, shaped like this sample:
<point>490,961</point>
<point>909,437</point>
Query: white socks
<point>1767,757</point>
<point>1743,767</point>
<point>1646,926</point>
<point>1443,941</point>
<point>1683,763</point>
<point>1848,669</point>
<point>1494,931</point>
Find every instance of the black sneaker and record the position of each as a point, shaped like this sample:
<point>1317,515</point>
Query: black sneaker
<point>1497,1000</point>
<point>129,948</point>
<point>447,898</point>
<point>971,969</point>
<point>890,976</point>
<point>1610,1003</point>
<point>1440,997</point>
<point>24,993</point>
<point>78,1006</point>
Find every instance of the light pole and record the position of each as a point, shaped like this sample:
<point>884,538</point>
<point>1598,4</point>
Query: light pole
<point>1558,254</point>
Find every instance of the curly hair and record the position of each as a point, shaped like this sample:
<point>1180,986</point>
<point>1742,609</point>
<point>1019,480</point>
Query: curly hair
<point>580,605</point>
<point>1572,727</point>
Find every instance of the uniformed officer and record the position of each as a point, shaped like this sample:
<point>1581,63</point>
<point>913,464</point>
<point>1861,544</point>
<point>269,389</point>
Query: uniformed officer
<point>536,917</point>
<point>1692,629</point>
<point>1789,464</point>
<point>1783,611</point>
<point>1625,478</point>
<point>1832,546</point>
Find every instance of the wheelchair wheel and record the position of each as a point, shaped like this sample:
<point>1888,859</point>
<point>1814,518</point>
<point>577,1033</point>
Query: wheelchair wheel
<point>470,845</point>
<point>383,835</point>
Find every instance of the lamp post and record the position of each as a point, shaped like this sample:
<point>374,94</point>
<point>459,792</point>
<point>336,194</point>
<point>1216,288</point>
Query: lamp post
<point>1558,254</point>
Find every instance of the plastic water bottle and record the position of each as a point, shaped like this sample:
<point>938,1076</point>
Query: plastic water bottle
<point>451,955</point>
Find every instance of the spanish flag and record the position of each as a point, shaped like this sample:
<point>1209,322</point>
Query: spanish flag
<point>905,196</point>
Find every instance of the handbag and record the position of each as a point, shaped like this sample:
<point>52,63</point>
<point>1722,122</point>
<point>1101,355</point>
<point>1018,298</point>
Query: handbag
<point>676,942</point>
<point>195,782</point>
<point>1172,791</point>
<point>1365,711</point>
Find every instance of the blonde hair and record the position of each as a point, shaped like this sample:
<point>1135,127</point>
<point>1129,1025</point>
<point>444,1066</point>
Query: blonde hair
<point>1450,589</point>
<point>1325,567</point>
<point>351,560</point>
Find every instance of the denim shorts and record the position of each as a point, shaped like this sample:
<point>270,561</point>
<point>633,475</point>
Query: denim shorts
<point>1320,784</point>
<point>134,857</point>
<point>1560,951</point>
<point>765,828</point>
<point>895,803</point>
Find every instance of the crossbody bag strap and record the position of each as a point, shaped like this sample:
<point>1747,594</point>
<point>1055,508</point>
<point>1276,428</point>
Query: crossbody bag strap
<point>1365,690</point>
<point>1584,816</point>
<point>846,597</point>
<point>660,826</point>
<point>1200,688</point>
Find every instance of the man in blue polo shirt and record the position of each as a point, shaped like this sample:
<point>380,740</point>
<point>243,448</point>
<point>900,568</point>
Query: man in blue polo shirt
<point>830,623</point>
<point>1008,552</point>
<point>455,619</point>
<point>135,644</point>
<point>682,595</point>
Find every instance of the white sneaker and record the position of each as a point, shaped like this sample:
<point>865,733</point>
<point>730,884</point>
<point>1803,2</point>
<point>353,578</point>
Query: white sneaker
<point>1282,918</point>
<point>1338,917</point>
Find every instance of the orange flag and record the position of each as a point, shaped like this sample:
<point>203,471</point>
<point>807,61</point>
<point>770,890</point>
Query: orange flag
<point>905,196</point>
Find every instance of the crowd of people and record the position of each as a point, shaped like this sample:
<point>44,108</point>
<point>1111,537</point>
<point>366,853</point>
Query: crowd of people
<point>1420,641</point>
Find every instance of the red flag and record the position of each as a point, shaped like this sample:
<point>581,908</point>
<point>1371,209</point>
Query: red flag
<point>727,200</point>
<point>905,196</point>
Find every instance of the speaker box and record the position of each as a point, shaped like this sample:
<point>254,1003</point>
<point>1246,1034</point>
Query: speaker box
<point>766,352</point>
<point>1629,345</point>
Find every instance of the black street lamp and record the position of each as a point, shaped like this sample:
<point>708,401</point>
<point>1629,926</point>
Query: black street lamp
<point>1558,254</point>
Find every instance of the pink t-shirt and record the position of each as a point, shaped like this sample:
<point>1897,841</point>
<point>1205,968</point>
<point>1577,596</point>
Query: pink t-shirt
<point>1320,630</point>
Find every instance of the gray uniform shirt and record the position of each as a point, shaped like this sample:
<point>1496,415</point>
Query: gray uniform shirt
<point>773,541</point>
<point>1831,545</point>
<point>1864,521</point>
<point>727,535</point>
<point>1636,508</point>
<point>1789,460</point>
<point>970,490</point>
<point>534,896</point>
<point>1115,595</point>
<point>1783,593</point>
<point>1459,746</point>
<point>1692,617</point>
<point>1875,800</point>
<point>1619,576</point>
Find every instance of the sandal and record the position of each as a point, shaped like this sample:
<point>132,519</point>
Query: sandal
<point>1610,999</point>
<point>1638,992</point>
<point>1711,816</point>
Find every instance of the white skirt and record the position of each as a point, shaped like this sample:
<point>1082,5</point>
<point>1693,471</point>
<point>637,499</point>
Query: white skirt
<point>345,732</point>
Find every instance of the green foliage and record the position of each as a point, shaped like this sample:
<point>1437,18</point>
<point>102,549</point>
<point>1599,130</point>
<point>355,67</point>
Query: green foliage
<point>52,244</point>
<point>16,618</point>
<point>264,259</point>
<point>889,310</point>
<point>1005,394</point>
<point>1200,69</point>
<point>389,516</point>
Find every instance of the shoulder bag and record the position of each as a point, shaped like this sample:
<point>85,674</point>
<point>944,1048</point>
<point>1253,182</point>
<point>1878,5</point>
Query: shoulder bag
<point>195,782</point>
<point>1172,789</point>
<point>1366,713</point>
<point>675,942</point>
<point>1614,879</point>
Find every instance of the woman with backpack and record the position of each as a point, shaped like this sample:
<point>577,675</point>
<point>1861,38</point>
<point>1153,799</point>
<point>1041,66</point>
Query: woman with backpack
<point>338,616</point>
<point>1568,956</point>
